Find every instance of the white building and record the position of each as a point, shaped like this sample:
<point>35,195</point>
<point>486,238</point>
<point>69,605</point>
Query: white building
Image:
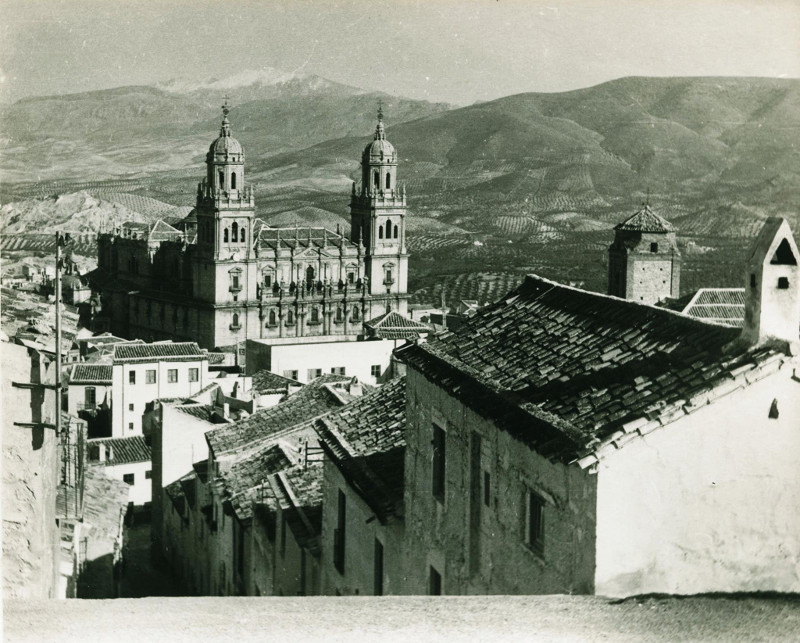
<point>126,459</point>
<point>146,372</point>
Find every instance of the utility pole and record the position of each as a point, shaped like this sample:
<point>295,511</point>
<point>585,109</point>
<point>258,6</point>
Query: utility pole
<point>60,243</point>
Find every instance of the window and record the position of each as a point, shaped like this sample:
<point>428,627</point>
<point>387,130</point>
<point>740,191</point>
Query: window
<point>221,176</point>
<point>172,375</point>
<point>234,232</point>
<point>388,181</point>
<point>290,317</point>
<point>225,235</point>
<point>752,280</point>
<point>376,179</point>
<point>338,370</point>
<point>396,230</point>
<point>439,463</point>
<point>150,376</point>
<point>375,370</point>
<point>534,523</point>
<point>273,318</point>
<point>267,280</point>
<point>233,180</point>
<point>351,277</point>
<point>388,228</point>
<point>339,534</point>
<point>314,373</point>
<point>783,283</point>
<point>339,314</point>
<point>235,321</point>
<point>235,281</point>
<point>130,426</point>
<point>194,374</point>
<point>653,247</point>
<point>434,582</point>
<point>89,397</point>
<point>377,589</point>
<point>388,278</point>
<point>784,255</point>
<point>148,475</point>
<point>292,375</point>
<point>355,313</point>
<point>314,315</point>
<point>128,478</point>
<point>130,407</point>
<point>487,489</point>
<point>380,232</point>
<point>131,377</point>
<point>283,534</point>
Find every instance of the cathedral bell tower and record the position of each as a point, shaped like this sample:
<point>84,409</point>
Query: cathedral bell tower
<point>377,221</point>
<point>225,265</point>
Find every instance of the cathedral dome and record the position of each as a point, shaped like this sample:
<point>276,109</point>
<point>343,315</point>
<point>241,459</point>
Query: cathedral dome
<point>225,144</point>
<point>380,149</point>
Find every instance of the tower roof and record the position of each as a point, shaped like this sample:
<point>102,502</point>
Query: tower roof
<point>225,143</point>
<point>380,149</point>
<point>646,220</point>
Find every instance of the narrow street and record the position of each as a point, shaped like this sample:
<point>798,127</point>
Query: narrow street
<point>140,577</point>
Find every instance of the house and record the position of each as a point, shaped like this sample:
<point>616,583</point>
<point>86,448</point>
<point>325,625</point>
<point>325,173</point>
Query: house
<point>127,460</point>
<point>142,373</point>
<point>563,441</point>
<point>89,389</point>
<point>217,523</point>
<point>363,547</point>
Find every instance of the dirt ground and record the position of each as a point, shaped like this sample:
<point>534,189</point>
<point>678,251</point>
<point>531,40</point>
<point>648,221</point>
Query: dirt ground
<point>544,618</point>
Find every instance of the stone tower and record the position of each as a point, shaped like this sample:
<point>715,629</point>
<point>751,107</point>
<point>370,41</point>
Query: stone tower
<point>225,268</point>
<point>772,291</point>
<point>377,217</point>
<point>644,263</point>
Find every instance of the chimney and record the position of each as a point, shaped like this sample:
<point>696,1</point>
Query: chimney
<point>772,289</point>
<point>356,390</point>
<point>101,452</point>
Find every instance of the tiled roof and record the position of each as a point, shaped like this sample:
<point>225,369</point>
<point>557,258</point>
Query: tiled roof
<point>308,403</point>
<point>162,231</point>
<point>365,440</point>
<point>91,374</point>
<point>300,238</point>
<point>165,350</point>
<point>242,475</point>
<point>570,372</point>
<point>645,220</point>
<point>124,450</point>
<point>268,382</point>
<point>300,494</point>
<point>718,305</point>
<point>393,325</point>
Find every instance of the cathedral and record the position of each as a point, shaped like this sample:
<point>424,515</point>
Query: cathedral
<point>220,275</point>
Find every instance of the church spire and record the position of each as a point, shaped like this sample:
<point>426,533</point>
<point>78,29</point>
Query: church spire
<point>380,132</point>
<point>225,129</point>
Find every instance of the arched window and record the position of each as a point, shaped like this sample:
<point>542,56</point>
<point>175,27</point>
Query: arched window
<point>388,181</point>
<point>221,179</point>
<point>376,179</point>
<point>235,320</point>
<point>241,235</point>
<point>395,232</point>
<point>314,314</point>
<point>290,317</point>
<point>380,232</point>
<point>388,228</point>
<point>339,314</point>
<point>234,231</point>
<point>273,320</point>
<point>355,312</point>
<point>225,235</point>
<point>233,180</point>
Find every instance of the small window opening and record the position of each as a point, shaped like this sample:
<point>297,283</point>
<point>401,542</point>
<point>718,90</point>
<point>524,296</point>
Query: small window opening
<point>783,283</point>
<point>388,181</point>
<point>376,178</point>
<point>380,232</point>
<point>773,410</point>
<point>241,235</point>
<point>233,181</point>
<point>234,231</point>
<point>395,232</point>
<point>221,179</point>
<point>388,228</point>
<point>225,235</point>
<point>752,280</point>
<point>654,247</point>
<point>783,255</point>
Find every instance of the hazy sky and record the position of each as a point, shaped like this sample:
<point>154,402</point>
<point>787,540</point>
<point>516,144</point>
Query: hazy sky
<point>448,50</point>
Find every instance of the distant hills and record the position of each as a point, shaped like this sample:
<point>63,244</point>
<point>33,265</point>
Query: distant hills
<point>531,182</point>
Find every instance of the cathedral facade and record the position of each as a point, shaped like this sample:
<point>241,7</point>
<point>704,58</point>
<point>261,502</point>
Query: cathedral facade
<point>221,276</point>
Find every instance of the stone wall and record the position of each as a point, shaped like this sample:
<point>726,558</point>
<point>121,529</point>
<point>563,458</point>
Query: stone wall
<point>478,548</point>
